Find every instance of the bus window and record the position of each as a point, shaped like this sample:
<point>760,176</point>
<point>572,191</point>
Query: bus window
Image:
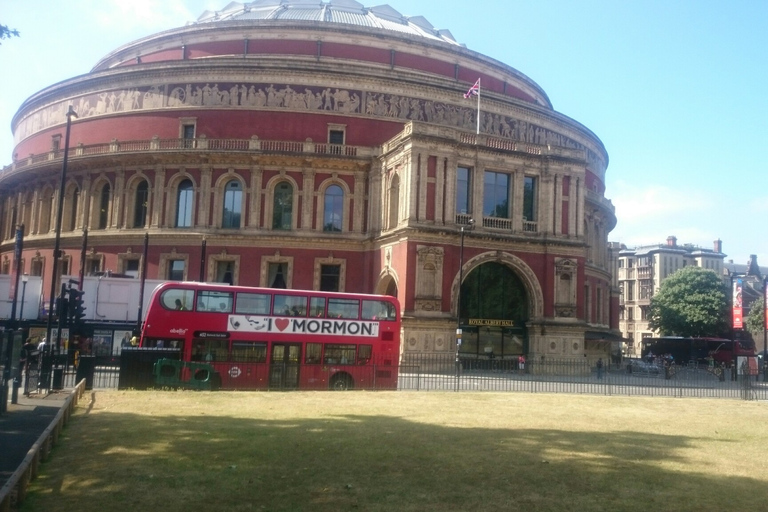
<point>249,352</point>
<point>343,308</point>
<point>290,305</point>
<point>210,350</point>
<point>177,299</point>
<point>220,302</point>
<point>378,310</point>
<point>339,354</point>
<point>364,353</point>
<point>312,354</point>
<point>317,307</point>
<point>252,303</point>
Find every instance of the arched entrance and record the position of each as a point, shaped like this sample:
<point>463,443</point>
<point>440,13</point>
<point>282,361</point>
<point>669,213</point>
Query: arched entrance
<point>387,285</point>
<point>494,312</point>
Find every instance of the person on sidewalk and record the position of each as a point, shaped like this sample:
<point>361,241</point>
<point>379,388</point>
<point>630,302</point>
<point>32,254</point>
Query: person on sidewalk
<point>600,368</point>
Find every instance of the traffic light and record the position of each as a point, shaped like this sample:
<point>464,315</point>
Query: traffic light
<point>76,308</point>
<point>62,309</point>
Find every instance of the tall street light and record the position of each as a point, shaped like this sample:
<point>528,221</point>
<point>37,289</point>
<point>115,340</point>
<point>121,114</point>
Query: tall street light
<point>468,226</point>
<point>49,346</point>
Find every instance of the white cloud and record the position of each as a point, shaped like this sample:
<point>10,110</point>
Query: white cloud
<point>647,215</point>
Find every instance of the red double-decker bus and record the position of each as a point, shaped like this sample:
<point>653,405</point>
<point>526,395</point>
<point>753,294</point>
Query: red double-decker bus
<point>264,338</point>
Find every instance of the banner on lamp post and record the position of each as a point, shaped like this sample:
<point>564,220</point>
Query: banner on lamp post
<point>737,305</point>
<point>765,303</point>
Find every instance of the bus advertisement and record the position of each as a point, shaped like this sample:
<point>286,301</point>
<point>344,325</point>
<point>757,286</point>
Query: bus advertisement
<point>265,338</point>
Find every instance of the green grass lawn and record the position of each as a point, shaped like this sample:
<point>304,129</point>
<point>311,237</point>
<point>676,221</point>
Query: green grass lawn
<point>401,451</point>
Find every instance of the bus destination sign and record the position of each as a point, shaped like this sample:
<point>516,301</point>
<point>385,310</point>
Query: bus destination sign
<point>211,335</point>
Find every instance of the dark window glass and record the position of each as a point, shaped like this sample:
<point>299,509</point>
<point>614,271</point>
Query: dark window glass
<point>334,209</point>
<point>140,205</point>
<point>176,270</point>
<point>330,276</point>
<point>282,206</point>
<point>233,205</point>
<point>184,197</point>
<point>104,207</point>
<point>462,190</point>
<point>496,195</point>
<point>529,199</point>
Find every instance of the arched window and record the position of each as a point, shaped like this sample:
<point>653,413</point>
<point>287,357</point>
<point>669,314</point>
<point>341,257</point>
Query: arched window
<point>282,206</point>
<point>44,220</point>
<point>140,205</point>
<point>333,213</point>
<point>184,200</point>
<point>104,207</point>
<point>73,210</point>
<point>233,204</point>
<point>394,202</point>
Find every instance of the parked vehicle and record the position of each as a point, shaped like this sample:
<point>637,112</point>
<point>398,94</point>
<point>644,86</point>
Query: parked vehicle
<point>638,366</point>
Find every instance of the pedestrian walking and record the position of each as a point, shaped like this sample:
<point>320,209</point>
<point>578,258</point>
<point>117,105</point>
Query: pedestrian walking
<point>600,368</point>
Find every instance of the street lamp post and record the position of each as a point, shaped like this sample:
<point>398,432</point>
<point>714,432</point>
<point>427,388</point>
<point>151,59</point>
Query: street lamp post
<point>57,240</point>
<point>470,224</point>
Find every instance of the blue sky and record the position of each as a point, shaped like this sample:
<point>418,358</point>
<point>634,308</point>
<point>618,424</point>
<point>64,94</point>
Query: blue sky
<point>676,90</point>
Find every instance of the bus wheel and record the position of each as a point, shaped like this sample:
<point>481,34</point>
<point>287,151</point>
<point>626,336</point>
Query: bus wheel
<point>341,382</point>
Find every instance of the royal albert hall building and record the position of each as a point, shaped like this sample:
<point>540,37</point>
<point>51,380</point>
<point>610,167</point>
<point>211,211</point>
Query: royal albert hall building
<point>327,146</point>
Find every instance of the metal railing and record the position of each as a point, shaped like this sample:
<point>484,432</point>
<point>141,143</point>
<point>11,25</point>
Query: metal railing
<point>202,143</point>
<point>14,490</point>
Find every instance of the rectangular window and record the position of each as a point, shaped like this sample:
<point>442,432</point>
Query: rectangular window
<point>529,199</point>
<point>131,267</point>
<point>290,305</point>
<point>336,137</point>
<point>210,350</point>
<point>463,190</point>
<point>339,354</point>
<point>176,270</point>
<point>335,141</point>
<point>378,310</point>
<point>343,308</point>
<point>225,272</point>
<point>276,277</point>
<point>188,134</point>
<point>330,276</point>
<point>364,353</point>
<point>312,353</point>
<point>220,302</point>
<point>317,307</point>
<point>496,195</point>
<point>249,352</point>
<point>252,303</point>
<point>92,266</point>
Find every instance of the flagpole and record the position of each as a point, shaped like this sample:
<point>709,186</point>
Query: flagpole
<point>478,106</point>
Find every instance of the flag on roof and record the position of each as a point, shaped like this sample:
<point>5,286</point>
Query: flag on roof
<point>474,90</point>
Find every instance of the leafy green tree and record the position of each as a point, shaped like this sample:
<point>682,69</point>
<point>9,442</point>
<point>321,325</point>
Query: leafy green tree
<point>755,321</point>
<point>7,33</point>
<point>691,302</point>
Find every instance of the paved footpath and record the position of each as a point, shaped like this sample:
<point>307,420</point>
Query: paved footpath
<point>22,424</point>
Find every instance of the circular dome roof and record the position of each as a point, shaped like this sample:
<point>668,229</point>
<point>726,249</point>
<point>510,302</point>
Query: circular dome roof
<point>347,12</point>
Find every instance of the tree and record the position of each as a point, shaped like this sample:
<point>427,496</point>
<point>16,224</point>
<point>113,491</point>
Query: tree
<point>755,322</point>
<point>691,302</point>
<point>7,33</point>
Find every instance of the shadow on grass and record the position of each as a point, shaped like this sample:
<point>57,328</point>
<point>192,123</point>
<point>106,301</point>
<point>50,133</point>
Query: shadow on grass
<point>111,461</point>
